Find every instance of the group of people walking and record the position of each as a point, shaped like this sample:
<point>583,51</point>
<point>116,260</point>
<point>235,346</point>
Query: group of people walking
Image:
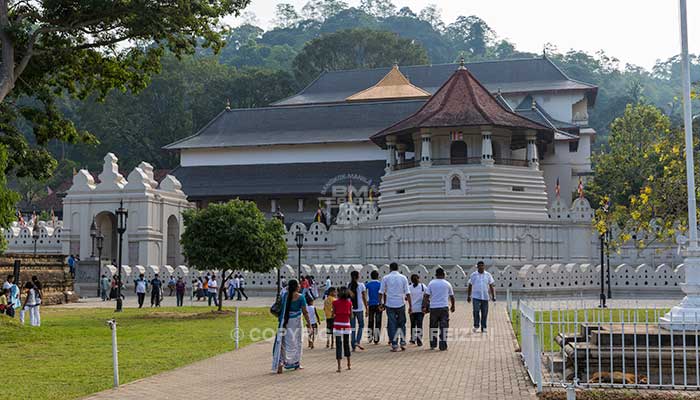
<point>345,309</point>
<point>11,300</point>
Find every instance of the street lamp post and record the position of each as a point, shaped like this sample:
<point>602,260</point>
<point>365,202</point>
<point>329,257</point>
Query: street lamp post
<point>602,270</point>
<point>608,239</point>
<point>279,215</point>
<point>93,233</point>
<point>684,315</point>
<point>35,237</point>
<point>99,240</point>
<point>300,243</point>
<point>122,215</point>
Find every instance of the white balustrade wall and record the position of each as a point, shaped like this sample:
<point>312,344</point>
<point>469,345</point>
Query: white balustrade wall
<point>526,279</point>
<point>20,241</point>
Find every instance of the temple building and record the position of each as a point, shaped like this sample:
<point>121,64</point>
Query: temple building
<point>321,144</point>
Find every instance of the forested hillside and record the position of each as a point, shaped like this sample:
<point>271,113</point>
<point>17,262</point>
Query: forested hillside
<point>257,67</point>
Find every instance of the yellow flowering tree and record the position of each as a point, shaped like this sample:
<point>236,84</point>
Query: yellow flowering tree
<point>641,181</point>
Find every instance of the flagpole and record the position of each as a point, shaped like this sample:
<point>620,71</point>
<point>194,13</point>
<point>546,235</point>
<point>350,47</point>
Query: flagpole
<point>684,316</point>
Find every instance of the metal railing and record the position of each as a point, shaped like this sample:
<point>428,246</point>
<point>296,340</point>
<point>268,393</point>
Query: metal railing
<point>565,343</point>
<point>460,161</point>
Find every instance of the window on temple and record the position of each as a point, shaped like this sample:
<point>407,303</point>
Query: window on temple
<point>456,183</point>
<point>573,146</point>
<point>458,152</point>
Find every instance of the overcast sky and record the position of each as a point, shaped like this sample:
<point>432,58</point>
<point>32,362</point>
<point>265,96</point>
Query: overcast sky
<point>635,31</point>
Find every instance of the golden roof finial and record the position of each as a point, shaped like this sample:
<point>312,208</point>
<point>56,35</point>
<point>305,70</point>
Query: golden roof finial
<point>461,62</point>
<point>228,104</point>
<point>534,103</point>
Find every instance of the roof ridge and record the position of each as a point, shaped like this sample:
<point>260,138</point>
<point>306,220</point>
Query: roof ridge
<point>438,64</point>
<point>479,106</point>
<point>167,146</point>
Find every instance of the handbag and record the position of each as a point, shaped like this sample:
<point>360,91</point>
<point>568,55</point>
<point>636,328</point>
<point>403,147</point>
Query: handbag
<point>276,307</point>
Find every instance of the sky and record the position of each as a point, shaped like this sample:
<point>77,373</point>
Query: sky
<point>639,32</point>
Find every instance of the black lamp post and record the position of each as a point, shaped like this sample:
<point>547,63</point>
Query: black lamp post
<point>602,270</point>
<point>99,240</point>
<point>300,243</point>
<point>35,237</point>
<point>608,239</point>
<point>280,217</point>
<point>122,214</point>
<point>93,233</point>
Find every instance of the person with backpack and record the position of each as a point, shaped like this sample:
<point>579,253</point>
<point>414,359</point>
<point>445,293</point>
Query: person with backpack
<point>417,290</point>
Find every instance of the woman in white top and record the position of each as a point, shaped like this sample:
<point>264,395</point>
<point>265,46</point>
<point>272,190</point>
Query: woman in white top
<point>417,290</point>
<point>30,304</point>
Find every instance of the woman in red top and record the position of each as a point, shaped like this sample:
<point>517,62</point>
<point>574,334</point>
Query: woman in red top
<point>342,310</point>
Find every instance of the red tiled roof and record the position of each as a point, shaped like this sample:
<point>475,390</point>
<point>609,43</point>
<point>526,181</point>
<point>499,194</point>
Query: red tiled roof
<point>461,101</point>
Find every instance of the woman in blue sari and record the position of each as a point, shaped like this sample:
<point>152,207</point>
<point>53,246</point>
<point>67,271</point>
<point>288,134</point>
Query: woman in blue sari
<point>288,347</point>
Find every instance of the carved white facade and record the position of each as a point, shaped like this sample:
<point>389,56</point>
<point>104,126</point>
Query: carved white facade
<point>20,238</point>
<point>154,221</point>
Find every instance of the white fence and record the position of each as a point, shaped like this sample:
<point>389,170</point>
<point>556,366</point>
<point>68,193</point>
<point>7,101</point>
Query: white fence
<point>520,280</point>
<point>566,344</point>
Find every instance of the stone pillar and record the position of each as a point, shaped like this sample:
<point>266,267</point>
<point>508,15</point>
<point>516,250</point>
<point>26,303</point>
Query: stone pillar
<point>273,205</point>
<point>400,153</point>
<point>390,152</point>
<point>486,148</point>
<point>532,157</point>
<point>426,158</point>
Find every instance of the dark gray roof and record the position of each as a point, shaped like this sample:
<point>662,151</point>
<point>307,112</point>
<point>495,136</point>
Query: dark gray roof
<point>229,181</point>
<point>321,123</point>
<point>510,76</point>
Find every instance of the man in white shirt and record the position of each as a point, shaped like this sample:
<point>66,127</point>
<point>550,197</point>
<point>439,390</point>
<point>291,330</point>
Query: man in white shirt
<point>441,300</point>
<point>481,285</point>
<point>141,286</point>
<point>213,290</point>
<point>394,291</point>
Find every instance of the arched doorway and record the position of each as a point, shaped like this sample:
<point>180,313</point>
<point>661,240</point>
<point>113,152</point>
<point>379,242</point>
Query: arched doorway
<point>106,223</point>
<point>173,252</point>
<point>458,152</point>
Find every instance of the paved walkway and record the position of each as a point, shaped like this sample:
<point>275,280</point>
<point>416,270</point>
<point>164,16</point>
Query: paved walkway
<point>483,366</point>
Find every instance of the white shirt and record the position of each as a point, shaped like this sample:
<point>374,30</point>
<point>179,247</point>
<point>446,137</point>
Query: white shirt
<point>141,286</point>
<point>480,284</point>
<point>213,285</point>
<point>360,304</point>
<point>395,287</point>
<point>440,291</point>
<point>417,293</point>
<point>328,283</point>
<point>236,283</point>
<point>31,298</point>
<point>311,310</point>
<point>241,283</point>
<point>5,285</point>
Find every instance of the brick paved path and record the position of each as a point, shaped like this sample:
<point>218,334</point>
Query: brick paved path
<point>476,366</point>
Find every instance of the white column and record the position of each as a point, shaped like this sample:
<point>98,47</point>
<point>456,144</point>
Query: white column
<point>273,205</point>
<point>532,157</point>
<point>686,315</point>
<point>390,152</point>
<point>300,205</point>
<point>401,153</point>
<point>426,158</point>
<point>486,148</point>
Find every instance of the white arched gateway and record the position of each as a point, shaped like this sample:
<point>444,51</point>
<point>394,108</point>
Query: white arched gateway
<point>154,222</point>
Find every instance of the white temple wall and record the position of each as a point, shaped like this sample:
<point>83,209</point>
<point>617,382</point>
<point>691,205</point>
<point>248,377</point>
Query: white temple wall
<point>282,154</point>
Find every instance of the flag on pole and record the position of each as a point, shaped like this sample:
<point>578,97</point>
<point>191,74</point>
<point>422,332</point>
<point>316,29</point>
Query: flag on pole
<point>20,218</point>
<point>557,188</point>
<point>53,218</point>
<point>34,218</point>
<point>580,188</point>
<point>370,195</point>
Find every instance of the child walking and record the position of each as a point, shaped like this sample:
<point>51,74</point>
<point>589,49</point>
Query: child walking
<point>328,311</point>
<point>313,320</point>
<point>342,310</point>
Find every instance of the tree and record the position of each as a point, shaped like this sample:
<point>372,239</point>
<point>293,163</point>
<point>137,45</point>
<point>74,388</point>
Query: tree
<point>432,15</point>
<point>356,48</point>
<point>378,8</point>
<point>471,35</point>
<point>233,236</point>
<point>286,15</point>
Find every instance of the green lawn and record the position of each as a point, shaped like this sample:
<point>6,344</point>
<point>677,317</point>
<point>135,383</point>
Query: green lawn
<point>70,355</point>
<point>549,326</point>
